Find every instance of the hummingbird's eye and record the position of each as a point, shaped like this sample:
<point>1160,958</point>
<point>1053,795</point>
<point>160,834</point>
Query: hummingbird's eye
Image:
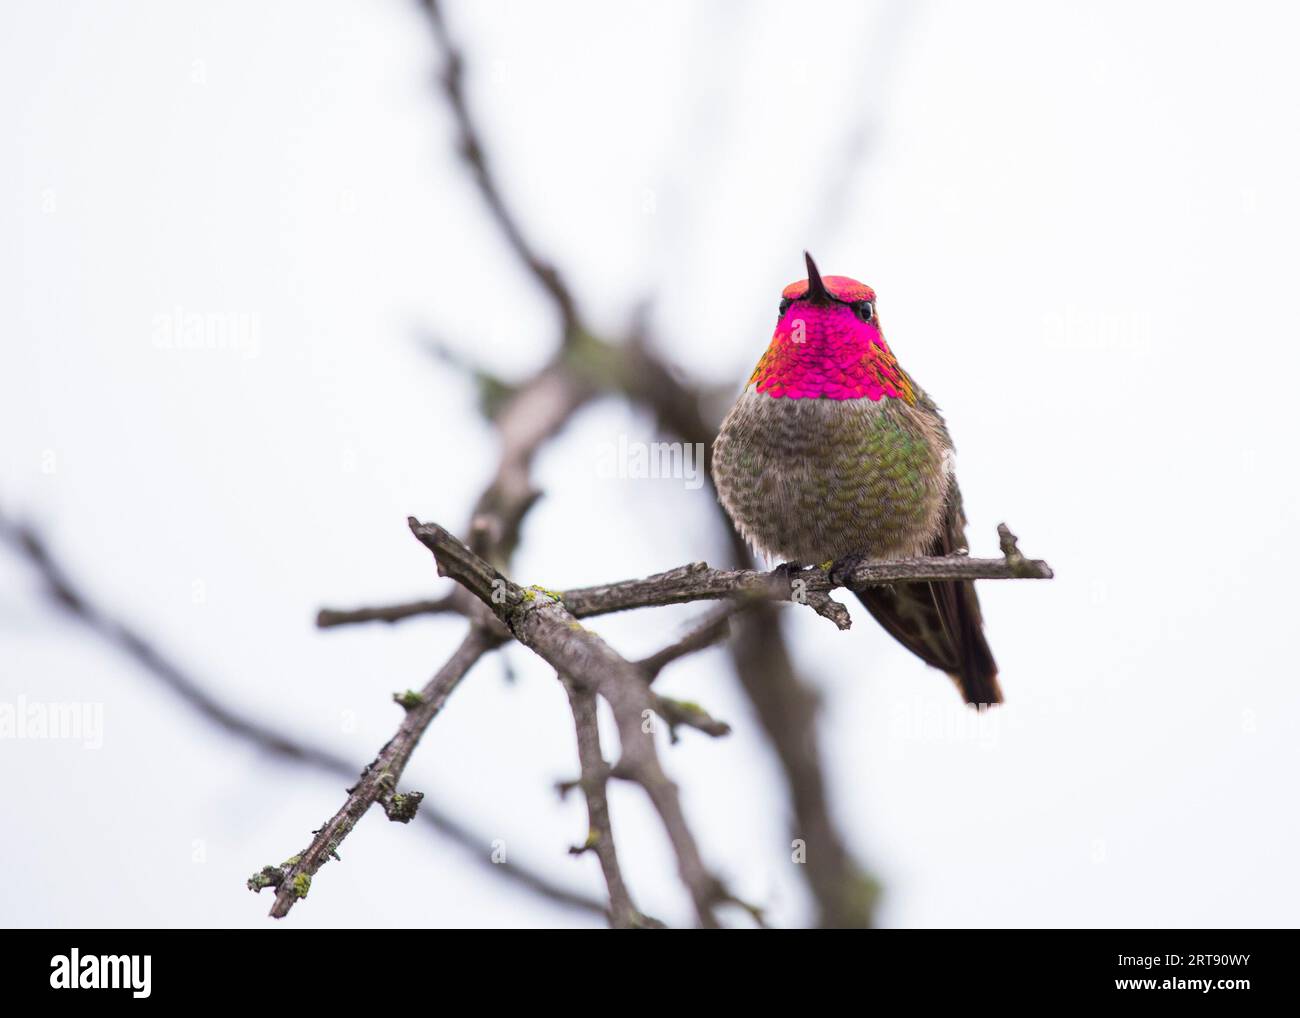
<point>865,309</point>
<point>785,306</point>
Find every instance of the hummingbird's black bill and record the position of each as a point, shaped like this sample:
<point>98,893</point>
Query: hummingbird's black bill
<point>817,293</point>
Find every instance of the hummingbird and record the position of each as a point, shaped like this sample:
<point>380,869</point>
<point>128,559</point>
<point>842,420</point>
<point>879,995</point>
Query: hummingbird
<point>833,454</point>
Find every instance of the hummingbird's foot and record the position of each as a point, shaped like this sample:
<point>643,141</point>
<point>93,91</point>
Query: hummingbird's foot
<point>842,569</point>
<point>789,570</point>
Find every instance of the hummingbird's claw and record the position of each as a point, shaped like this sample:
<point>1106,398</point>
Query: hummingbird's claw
<point>788,570</point>
<point>841,571</point>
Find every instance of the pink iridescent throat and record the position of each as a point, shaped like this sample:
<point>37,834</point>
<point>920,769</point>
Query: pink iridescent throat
<point>824,351</point>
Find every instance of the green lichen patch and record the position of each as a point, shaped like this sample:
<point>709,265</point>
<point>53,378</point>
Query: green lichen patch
<point>267,876</point>
<point>403,806</point>
<point>408,700</point>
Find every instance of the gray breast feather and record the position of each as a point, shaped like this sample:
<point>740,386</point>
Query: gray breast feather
<point>814,480</point>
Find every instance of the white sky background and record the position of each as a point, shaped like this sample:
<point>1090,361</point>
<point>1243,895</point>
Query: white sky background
<point>1081,221</point>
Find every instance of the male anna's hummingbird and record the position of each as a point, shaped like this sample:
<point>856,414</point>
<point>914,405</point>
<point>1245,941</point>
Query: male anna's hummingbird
<point>833,453</point>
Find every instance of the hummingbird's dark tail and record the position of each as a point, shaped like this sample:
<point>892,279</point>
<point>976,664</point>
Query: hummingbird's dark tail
<point>977,674</point>
<point>940,621</point>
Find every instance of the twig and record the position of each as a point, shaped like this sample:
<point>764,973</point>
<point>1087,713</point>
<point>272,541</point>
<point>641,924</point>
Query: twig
<point>540,622</point>
<point>698,582</point>
<point>623,914</point>
<point>378,782</point>
<point>714,629</point>
<point>686,714</point>
<point>329,617</point>
<point>70,597</point>
<point>682,713</point>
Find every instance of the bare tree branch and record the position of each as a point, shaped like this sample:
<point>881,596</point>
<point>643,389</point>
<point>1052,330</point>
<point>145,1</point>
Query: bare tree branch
<point>698,582</point>
<point>535,411</point>
<point>810,585</point>
<point>623,914</point>
<point>846,894</point>
<point>378,782</point>
<point>546,622</point>
<point>540,622</point>
<point>329,617</point>
<point>70,597</point>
